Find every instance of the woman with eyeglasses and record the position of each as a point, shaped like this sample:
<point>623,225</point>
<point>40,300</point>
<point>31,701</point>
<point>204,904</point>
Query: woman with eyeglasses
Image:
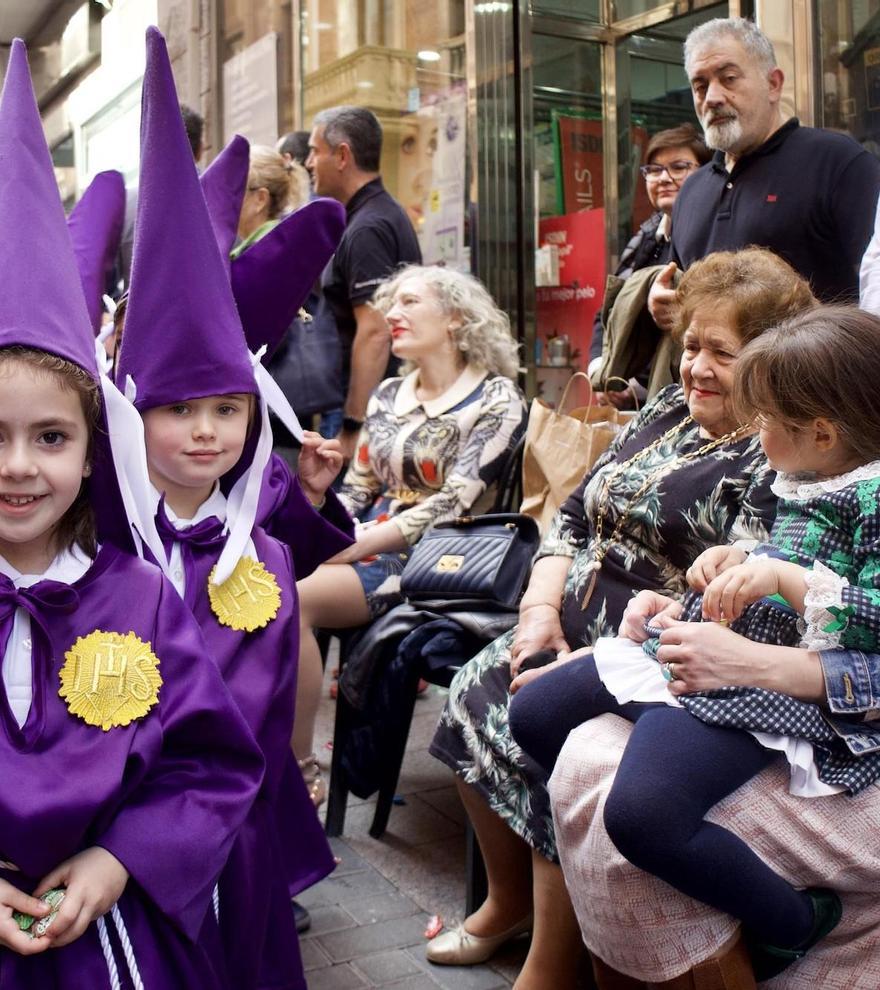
<point>672,156</point>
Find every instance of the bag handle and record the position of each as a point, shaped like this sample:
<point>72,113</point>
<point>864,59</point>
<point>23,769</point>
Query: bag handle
<point>629,387</point>
<point>564,396</point>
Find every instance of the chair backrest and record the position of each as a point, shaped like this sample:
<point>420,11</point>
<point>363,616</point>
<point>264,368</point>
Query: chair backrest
<point>510,488</point>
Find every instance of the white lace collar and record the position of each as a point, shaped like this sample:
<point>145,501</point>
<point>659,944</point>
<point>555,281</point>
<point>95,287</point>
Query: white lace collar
<point>802,487</point>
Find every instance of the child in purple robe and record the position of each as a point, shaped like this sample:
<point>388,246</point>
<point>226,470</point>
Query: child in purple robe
<point>126,768</point>
<point>184,363</point>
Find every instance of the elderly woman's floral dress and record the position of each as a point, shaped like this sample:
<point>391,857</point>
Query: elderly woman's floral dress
<point>700,498</point>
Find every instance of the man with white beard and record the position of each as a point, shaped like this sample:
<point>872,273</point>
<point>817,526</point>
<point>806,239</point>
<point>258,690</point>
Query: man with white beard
<point>807,194</point>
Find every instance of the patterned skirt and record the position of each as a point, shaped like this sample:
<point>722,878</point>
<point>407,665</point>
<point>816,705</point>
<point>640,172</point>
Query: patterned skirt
<point>474,740</point>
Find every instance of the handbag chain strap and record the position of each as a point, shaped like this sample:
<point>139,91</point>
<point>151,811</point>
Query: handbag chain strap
<point>603,544</point>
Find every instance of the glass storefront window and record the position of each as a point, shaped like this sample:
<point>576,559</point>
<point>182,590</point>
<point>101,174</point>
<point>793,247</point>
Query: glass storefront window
<point>849,73</point>
<point>583,10</point>
<point>405,61</point>
<point>570,190</point>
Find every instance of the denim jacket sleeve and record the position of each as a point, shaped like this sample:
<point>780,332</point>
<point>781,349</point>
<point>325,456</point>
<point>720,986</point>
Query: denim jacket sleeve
<point>852,681</point>
<point>852,686</point>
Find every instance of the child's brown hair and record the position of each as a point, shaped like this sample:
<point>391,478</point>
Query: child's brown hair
<point>77,525</point>
<point>754,288</point>
<point>824,363</point>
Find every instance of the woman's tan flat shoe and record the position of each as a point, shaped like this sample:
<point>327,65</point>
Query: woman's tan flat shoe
<point>459,947</point>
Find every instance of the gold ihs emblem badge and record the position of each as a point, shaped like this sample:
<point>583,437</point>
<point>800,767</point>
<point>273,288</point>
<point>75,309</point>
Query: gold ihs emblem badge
<point>109,679</point>
<point>248,599</point>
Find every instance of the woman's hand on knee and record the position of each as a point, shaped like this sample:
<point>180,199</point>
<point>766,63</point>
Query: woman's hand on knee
<point>539,628</point>
<point>527,676</point>
<point>660,609</point>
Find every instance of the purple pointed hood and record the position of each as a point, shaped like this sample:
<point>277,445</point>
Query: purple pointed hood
<point>42,304</point>
<point>95,226</point>
<point>224,183</point>
<point>273,277</point>
<point>182,337</point>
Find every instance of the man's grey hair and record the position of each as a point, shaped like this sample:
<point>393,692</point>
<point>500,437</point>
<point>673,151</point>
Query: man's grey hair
<point>357,127</point>
<point>757,45</point>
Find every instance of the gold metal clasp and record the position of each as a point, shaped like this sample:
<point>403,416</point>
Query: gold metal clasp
<point>449,563</point>
<point>849,697</point>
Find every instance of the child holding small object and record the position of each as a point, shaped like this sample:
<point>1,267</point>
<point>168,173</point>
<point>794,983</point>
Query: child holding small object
<point>126,768</point>
<point>809,385</point>
<point>202,396</point>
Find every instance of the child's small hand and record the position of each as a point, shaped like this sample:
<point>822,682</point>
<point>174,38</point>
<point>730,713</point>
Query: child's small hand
<point>661,610</point>
<point>320,460</point>
<point>94,880</point>
<point>739,586</point>
<point>711,563</point>
<point>11,936</point>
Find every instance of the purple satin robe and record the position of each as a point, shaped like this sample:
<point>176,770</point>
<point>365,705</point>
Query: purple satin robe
<point>165,794</point>
<point>281,848</point>
<point>285,513</point>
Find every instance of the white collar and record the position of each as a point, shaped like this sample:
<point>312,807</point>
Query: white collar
<point>802,487</point>
<point>664,228</point>
<point>67,567</point>
<point>214,505</point>
<point>406,401</point>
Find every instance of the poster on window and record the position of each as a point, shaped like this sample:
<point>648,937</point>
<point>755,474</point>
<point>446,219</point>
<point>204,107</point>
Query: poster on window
<point>580,167</point>
<point>431,179</point>
<point>567,309</point>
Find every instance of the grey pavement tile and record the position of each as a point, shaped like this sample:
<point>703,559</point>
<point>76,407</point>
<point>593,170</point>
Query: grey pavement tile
<point>385,967</point>
<point>413,823</point>
<point>336,978</point>
<point>447,802</point>
<point>351,886</point>
<point>422,772</point>
<point>432,874</point>
<point>459,977</point>
<point>381,907</point>
<point>365,939</point>
<point>330,918</point>
<point>350,862</point>
<point>313,956</point>
<point>420,982</point>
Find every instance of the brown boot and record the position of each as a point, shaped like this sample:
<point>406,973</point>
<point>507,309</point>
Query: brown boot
<point>609,979</point>
<point>729,969</point>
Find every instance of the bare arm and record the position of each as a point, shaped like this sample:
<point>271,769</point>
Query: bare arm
<point>369,358</point>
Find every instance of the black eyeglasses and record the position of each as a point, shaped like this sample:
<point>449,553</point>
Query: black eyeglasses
<point>675,170</point>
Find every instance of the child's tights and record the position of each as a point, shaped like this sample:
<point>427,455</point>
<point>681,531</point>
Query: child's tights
<point>674,770</point>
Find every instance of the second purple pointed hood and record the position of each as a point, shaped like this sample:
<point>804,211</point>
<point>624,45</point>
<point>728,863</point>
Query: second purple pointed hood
<point>182,338</point>
<point>224,183</point>
<point>95,226</point>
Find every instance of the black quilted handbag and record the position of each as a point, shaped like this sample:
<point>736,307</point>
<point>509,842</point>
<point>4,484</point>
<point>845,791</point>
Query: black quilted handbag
<point>478,562</point>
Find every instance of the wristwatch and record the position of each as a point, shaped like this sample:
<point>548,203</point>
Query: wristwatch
<point>351,425</point>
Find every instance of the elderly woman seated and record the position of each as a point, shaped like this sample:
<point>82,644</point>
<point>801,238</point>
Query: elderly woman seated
<point>684,476</point>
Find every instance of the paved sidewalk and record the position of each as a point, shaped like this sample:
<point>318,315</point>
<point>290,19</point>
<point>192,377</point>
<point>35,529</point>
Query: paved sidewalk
<point>369,916</point>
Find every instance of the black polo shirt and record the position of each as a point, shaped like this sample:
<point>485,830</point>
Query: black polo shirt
<point>807,194</point>
<point>378,238</point>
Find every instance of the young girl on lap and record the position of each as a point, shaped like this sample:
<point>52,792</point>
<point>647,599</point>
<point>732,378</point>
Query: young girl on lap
<point>809,386</point>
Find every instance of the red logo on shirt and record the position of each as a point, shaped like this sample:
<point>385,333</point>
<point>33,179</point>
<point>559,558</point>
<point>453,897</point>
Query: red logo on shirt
<point>771,198</point>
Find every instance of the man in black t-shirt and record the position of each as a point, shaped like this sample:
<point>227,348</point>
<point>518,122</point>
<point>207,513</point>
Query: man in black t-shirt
<point>807,194</point>
<point>344,149</point>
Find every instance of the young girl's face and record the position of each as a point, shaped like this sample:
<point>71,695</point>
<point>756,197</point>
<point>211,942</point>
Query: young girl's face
<point>799,451</point>
<point>190,445</point>
<point>44,441</point>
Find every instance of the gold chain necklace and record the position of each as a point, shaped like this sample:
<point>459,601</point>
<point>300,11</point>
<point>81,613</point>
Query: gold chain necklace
<point>603,545</point>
